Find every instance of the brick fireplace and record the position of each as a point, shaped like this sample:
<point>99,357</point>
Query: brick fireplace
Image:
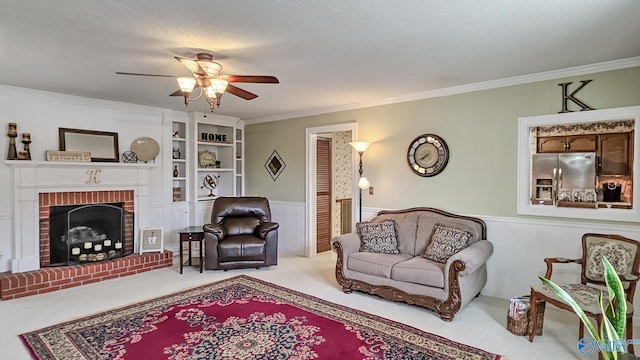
<point>41,185</point>
<point>48,200</point>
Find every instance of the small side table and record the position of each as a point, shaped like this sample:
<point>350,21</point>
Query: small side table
<point>190,234</point>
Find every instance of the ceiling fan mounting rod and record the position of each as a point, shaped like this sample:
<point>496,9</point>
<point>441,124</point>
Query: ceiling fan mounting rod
<point>204,56</point>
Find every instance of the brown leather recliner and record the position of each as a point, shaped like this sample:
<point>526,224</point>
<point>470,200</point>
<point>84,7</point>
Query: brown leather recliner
<point>241,234</point>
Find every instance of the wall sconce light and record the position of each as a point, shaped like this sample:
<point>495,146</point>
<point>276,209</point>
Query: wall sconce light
<point>363,183</point>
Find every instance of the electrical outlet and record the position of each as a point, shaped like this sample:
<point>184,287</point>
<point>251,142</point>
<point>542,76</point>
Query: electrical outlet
<point>370,190</point>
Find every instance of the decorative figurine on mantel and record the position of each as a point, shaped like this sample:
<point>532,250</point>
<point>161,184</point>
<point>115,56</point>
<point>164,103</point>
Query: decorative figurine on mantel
<point>12,134</point>
<point>22,155</point>
<point>26,140</point>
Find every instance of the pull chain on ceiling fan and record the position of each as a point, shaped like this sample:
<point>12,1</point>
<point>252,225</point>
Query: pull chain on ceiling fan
<point>206,76</point>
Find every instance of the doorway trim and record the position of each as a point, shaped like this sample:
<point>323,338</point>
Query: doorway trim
<point>311,135</point>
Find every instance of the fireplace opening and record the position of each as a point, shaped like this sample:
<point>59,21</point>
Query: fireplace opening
<point>89,233</point>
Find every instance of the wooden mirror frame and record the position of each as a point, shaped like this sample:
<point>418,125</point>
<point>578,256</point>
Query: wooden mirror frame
<point>102,145</point>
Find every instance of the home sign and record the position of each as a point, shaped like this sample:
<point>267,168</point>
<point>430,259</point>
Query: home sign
<point>212,137</point>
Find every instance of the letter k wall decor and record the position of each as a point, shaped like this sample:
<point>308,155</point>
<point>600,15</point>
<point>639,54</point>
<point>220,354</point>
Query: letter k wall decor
<point>572,97</point>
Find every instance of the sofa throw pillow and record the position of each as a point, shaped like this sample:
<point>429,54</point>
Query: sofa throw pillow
<point>378,237</point>
<point>445,241</point>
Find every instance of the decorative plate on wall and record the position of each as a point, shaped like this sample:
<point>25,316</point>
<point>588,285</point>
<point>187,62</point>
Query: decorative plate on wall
<point>145,148</point>
<point>275,165</point>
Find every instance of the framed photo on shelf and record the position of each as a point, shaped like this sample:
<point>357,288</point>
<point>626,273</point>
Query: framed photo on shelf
<point>151,241</point>
<point>207,159</point>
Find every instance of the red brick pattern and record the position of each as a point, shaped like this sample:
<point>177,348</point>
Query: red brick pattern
<point>85,197</point>
<point>46,200</point>
<point>15,285</point>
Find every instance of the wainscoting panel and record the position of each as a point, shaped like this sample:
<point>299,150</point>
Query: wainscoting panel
<point>520,246</point>
<point>155,221</point>
<point>368,213</point>
<point>202,213</point>
<point>291,217</point>
<point>6,225</point>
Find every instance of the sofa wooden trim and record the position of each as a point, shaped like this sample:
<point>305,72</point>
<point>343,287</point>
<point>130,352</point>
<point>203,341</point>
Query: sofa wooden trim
<point>445,308</point>
<point>441,212</point>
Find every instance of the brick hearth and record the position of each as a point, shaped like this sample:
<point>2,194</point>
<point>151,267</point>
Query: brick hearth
<point>15,285</point>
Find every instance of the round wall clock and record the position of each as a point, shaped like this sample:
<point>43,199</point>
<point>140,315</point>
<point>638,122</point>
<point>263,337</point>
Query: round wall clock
<point>428,155</point>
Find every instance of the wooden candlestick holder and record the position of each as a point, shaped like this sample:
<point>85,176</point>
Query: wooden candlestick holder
<point>26,140</point>
<point>12,154</point>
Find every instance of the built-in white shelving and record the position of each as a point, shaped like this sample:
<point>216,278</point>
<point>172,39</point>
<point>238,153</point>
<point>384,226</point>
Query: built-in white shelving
<point>216,167</point>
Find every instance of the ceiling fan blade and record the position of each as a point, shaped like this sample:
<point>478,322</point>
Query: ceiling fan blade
<point>139,74</point>
<point>192,65</point>
<point>262,79</point>
<point>240,92</point>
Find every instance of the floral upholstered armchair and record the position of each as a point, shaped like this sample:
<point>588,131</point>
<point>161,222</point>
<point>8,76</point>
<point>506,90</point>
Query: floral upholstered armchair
<point>624,255</point>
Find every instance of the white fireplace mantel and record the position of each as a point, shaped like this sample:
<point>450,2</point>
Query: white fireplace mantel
<point>31,178</point>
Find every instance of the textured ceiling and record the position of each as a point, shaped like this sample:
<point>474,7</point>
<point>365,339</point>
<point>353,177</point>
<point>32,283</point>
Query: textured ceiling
<point>327,54</point>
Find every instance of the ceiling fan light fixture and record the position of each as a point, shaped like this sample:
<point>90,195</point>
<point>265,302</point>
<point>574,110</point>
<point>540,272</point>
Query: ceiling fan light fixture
<point>214,91</point>
<point>210,93</point>
<point>212,69</point>
<point>219,85</point>
<point>186,84</point>
<point>212,98</point>
<point>218,97</point>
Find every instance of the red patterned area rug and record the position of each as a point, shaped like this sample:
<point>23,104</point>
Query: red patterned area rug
<point>240,318</point>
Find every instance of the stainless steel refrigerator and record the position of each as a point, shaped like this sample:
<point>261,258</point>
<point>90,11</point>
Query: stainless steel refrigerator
<point>552,172</point>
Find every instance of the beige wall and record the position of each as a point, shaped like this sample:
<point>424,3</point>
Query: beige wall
<point>479,127</point>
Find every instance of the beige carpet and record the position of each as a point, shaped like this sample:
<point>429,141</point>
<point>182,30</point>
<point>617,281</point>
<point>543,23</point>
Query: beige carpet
<point>480,324</point>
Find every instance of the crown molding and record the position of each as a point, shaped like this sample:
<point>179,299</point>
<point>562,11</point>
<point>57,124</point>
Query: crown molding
<point>41,95</point>
<point>454,90</point>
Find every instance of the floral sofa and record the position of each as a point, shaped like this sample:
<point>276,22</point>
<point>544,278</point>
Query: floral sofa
<point>421,256</point>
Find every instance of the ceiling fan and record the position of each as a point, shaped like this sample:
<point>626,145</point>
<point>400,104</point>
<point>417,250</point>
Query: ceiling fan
<point>206,76</point>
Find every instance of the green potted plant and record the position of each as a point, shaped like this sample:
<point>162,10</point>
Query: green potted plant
<point>614,320</point>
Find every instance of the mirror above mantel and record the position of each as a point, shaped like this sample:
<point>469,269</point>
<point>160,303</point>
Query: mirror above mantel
<point>554,150</point>
<point>102,145</point>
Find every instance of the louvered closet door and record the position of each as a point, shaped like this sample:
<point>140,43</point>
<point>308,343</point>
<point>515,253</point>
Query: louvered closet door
<point>323,194</point>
